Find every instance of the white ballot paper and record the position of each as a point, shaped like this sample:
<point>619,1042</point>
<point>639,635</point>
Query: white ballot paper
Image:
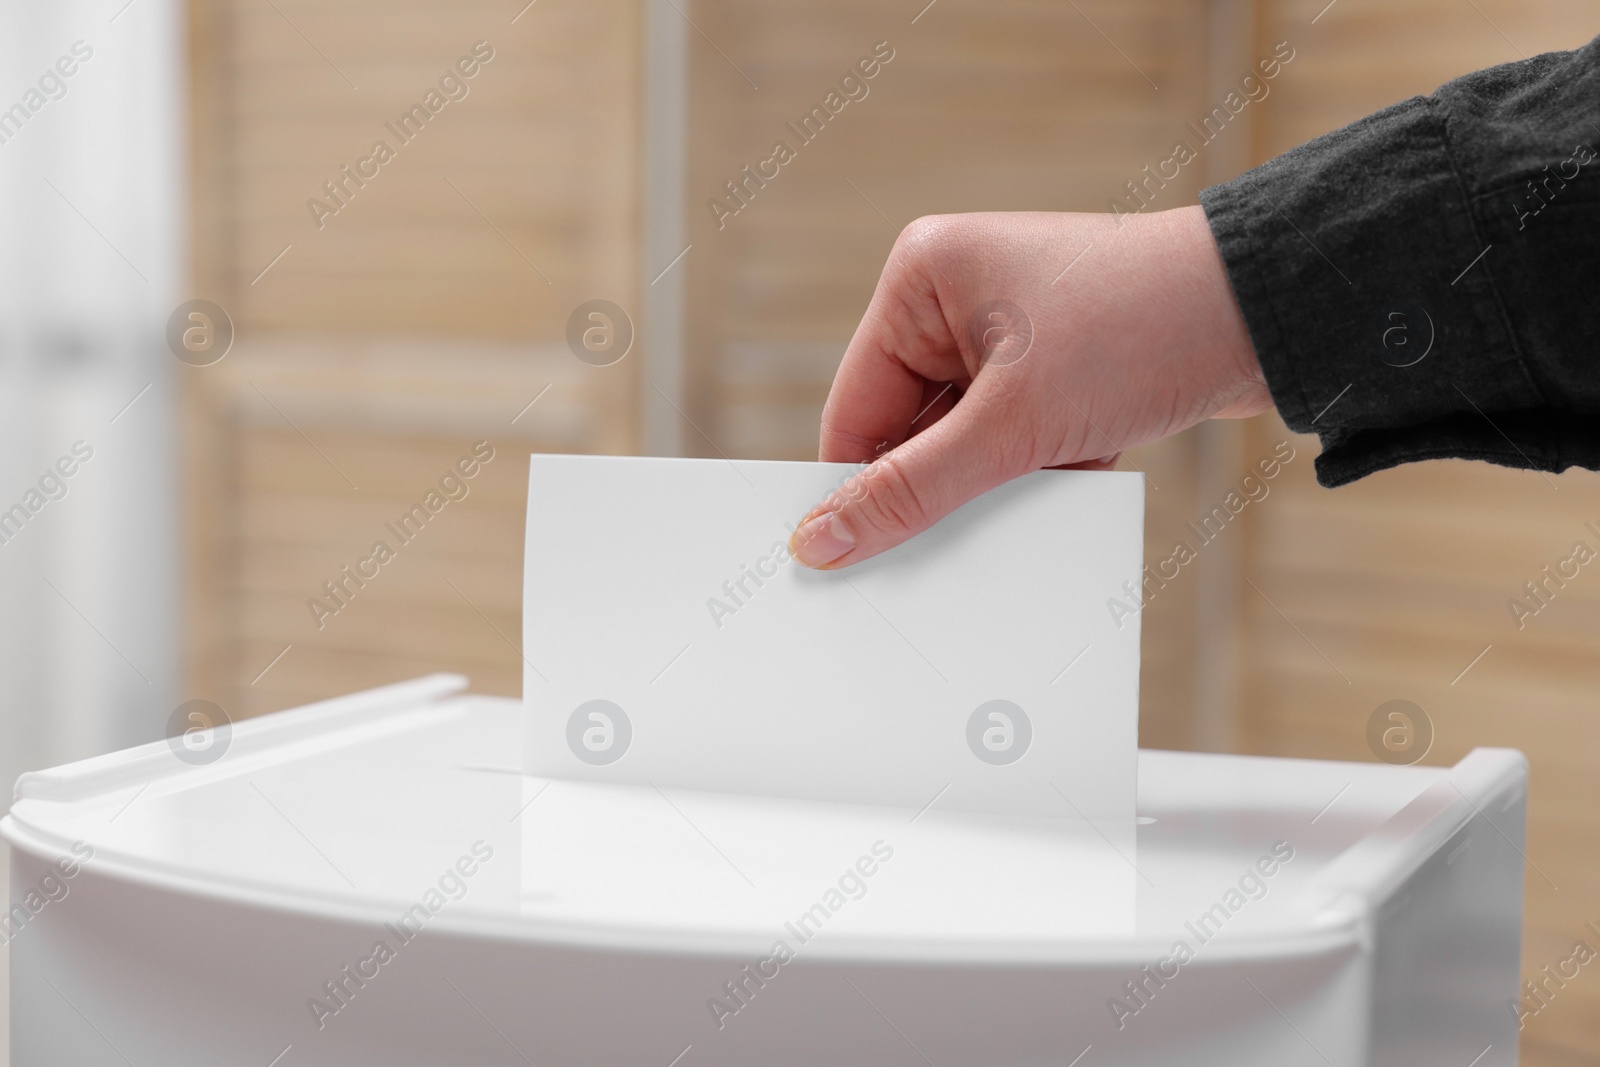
<point>989,665</point>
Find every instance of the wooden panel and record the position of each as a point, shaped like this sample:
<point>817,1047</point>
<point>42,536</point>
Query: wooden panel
<point>1361,55</point>
<point>327,447</point>
<point>533,170</point>
<point>424,315</point>
<point>1010,106</point>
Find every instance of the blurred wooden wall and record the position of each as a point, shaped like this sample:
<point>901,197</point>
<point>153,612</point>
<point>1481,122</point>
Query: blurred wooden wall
<point>374,350</point>
<point>430,311</point>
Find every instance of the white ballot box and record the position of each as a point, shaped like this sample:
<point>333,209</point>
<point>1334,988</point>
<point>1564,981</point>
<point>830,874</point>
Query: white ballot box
<point>375,880</point>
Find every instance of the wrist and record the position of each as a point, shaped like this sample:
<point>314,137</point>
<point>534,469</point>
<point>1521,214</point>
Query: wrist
<point>1232,370</point>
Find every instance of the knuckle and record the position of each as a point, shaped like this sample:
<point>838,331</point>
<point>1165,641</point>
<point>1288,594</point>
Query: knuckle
<point>924,234</point>
<point>894,502</point>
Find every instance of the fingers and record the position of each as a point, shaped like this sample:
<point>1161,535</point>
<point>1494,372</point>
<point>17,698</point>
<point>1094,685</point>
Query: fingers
<point>902,370</point>
<point>907,490</point>
<point>870,409</point>
<point>900,401</point>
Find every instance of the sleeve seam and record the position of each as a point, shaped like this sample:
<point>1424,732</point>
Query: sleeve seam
<point>1441,114</point>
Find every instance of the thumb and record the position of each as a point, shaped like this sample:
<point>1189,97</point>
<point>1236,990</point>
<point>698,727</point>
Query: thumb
<point>905,491</point>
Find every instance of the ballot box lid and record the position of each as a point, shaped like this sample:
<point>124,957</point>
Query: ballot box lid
<point>368,806</point>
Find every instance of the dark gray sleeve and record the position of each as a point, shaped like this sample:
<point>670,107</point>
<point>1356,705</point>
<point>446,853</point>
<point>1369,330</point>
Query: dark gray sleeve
<point>1425,283</point>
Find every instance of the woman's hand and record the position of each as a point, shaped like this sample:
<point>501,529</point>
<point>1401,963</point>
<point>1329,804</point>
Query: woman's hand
<point>997,344</point>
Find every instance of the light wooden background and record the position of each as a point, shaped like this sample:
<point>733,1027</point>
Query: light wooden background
<point>428,314</point>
